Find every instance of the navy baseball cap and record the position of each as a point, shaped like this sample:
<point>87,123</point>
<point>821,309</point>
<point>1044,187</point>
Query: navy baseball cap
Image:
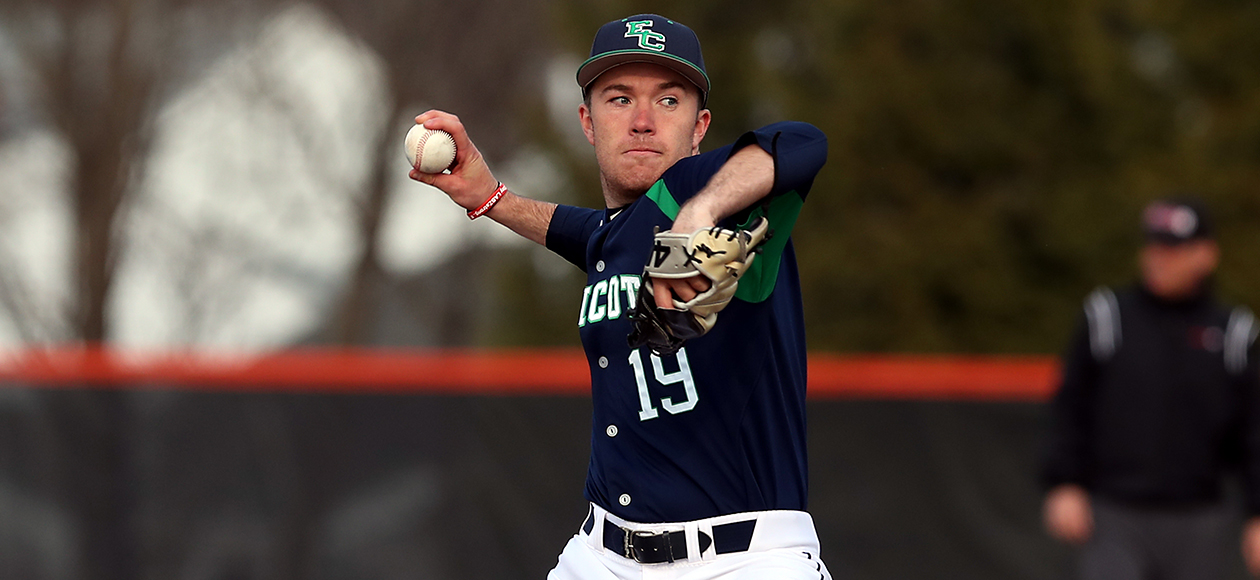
<point>1176,221</point>
<point>646,38</point>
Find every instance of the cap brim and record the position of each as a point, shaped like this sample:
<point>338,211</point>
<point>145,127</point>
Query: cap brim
<point>598,65</point>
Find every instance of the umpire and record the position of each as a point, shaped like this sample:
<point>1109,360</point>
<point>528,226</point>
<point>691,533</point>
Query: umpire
<point>1157,403</point>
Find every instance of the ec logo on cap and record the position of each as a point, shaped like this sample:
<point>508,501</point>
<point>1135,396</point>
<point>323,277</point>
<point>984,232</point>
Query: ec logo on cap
<point>648,39</point>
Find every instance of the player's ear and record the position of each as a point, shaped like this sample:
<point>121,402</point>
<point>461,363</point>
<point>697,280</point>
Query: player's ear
<point>702,126</point>
<point>584,114</point>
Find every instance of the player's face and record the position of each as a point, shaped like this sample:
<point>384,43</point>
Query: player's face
<point>641,119</point>
<point>1177,271</point>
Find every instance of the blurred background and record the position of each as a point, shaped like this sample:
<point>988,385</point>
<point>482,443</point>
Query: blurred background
<point>226,178</point>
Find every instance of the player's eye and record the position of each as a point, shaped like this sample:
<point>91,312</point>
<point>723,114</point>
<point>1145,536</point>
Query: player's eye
<point>620,100</point>
<point>670,101</point>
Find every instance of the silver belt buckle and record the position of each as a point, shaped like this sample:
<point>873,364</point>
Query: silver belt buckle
<point>630,553</point>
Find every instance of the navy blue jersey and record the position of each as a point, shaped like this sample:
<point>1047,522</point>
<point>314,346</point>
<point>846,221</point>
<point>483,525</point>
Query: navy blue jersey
<point>718,427</point>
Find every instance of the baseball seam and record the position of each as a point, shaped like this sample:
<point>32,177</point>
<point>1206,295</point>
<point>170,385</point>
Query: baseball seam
<point>420,147</point>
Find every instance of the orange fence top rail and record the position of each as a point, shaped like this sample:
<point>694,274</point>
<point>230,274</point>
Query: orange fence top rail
<point>500,372</point>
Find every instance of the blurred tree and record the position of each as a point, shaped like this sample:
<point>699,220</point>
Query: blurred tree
<point>429,62</point>
<point>988,159</point>
<point>100,71</point>
<point>110,78</point>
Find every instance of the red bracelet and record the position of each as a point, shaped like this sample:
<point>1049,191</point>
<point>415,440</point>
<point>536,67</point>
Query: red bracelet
<point>489,203</point>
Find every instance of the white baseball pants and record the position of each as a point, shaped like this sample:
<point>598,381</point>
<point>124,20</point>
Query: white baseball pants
<point>783,546</point>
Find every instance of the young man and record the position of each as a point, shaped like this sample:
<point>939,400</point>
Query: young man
<point>698,460</point>
<point>1158,399</point>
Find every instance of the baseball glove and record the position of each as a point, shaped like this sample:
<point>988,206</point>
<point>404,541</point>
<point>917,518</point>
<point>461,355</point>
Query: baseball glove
<point>718,254</point>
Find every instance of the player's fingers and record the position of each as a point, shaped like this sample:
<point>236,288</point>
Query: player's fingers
<point>443,181</point>
<point>435,119</point>
<point>698,283</point>
<point>452,185</point>
<point>434,179</point>
<point>436,115</point>
<point>443,121</point>
<point>466,152</point>
<point>682,289</point>
<point>661,295</point>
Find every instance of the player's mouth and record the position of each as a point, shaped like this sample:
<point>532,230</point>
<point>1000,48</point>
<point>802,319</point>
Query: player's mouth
<point>642,151</point>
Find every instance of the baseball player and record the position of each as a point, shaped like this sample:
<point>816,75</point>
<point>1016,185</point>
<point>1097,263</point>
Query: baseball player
<point>691,317</point>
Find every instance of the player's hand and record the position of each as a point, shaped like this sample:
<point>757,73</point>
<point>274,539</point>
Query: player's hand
<point>1251,546</point>
<point>665,289</point>
<point>470,182</point>
<point>690,218</point>
<point>1068,514</point>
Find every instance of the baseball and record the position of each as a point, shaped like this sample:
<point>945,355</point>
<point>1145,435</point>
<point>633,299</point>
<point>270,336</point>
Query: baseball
<point>430,150</point>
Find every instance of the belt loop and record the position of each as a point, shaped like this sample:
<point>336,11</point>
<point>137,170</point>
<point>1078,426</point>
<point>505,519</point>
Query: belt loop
<point>588,524</point>
<point>704,540</point>
<point>598,533</point>
<point>691,533</point>
<point>596,537</point>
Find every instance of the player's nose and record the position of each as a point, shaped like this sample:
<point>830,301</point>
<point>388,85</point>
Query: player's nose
<point>643,120</point>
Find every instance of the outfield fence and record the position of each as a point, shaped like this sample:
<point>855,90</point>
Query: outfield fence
<point>463,464</point>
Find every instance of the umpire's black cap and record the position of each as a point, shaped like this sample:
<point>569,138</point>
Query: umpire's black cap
<point>646,38</point>
<point>1175,221</point>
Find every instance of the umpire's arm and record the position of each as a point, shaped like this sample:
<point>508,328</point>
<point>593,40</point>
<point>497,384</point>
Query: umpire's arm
<point>1067,510</point>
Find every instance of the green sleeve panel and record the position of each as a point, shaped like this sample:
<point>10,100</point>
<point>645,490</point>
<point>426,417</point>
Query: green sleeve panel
<point>664,200</point>
<point>759,280</point>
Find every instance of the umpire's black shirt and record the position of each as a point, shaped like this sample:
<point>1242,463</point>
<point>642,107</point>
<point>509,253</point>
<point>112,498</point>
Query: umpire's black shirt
<point>1157,401</point>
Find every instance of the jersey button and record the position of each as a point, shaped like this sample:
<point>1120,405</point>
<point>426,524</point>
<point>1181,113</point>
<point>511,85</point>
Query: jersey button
<point>624,499</point>
<point>611,430</point>
<point>603,362</point>
<point>599,266</point>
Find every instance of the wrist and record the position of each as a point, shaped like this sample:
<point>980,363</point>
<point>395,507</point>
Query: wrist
<point>694,216</point>
<point>495,197</point>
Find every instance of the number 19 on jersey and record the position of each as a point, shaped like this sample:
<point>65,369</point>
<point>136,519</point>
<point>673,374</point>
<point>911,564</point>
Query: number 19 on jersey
<point>683,375</point>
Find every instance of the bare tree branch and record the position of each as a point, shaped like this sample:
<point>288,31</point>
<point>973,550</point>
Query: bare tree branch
<point>466,69</point>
